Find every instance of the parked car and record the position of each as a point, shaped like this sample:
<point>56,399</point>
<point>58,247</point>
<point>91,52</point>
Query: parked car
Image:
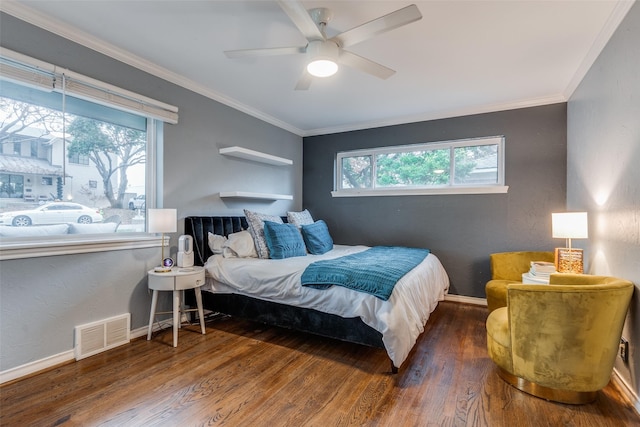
<point>137,202</point>
<point>52,213</point>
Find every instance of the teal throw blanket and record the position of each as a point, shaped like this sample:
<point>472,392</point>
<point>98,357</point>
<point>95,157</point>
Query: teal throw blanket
<point>374,271</point>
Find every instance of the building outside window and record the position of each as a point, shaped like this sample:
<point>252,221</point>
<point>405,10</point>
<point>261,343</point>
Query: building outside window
<point>69,138</point>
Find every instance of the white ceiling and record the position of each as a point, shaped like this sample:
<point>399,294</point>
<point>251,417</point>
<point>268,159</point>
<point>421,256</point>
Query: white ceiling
<point>462,57</point>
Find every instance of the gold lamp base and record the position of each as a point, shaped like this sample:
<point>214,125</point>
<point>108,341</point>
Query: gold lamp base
<point>569,260</point>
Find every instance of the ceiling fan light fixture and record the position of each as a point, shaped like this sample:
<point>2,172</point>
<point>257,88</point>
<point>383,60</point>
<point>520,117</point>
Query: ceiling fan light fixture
<point>323,58</point>
<point>322,68</point>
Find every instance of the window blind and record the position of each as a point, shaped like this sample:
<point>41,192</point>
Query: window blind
<point>37,74</point>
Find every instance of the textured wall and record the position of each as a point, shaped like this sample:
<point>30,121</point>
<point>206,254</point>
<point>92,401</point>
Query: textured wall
<point>42,299</point>
<point>462,230</point>
<point>603,173</point>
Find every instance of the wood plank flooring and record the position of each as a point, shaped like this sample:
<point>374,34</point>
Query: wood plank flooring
<point>245,374</point>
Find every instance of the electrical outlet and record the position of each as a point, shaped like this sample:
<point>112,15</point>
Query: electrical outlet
<point>624,350</point>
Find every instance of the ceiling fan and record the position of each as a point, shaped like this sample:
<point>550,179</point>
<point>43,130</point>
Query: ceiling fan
<point>328,52</point>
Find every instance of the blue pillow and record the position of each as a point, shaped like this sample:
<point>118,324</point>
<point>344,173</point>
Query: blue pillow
<point>317,238</point>
<point>283,240</point>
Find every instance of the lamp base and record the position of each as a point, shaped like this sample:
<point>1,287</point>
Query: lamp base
<point>569,260</point>
<point>161,269</point>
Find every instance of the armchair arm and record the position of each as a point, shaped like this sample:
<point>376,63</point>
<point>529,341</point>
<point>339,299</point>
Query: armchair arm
<point>580,279</point>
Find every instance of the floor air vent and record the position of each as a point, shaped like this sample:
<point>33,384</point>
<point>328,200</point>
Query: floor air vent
<point>96,337</point>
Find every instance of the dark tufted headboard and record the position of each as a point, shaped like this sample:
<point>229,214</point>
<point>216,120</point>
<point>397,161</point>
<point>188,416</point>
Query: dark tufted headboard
<point>198,227</point>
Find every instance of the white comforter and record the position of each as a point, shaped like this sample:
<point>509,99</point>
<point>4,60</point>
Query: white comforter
<point>401,319</point>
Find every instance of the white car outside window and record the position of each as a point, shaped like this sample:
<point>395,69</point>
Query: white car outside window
<point>52,213</point>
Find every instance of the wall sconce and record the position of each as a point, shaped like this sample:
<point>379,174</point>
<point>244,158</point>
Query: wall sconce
<point>569,225</point>
<point>163,221</point>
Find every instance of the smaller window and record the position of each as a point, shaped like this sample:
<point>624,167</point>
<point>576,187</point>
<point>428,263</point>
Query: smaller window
<point>17,148</point>
<point>11,186</point>
<point>47,180</point>
<point>93,184</point>
<point>461,166</point>
<point>80,159</point>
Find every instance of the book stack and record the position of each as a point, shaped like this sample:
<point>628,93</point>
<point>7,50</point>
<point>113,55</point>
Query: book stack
<point>542,269</point>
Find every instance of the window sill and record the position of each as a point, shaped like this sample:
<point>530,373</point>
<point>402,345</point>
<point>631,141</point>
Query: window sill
<point>24,248</point>
<point>494,189</point>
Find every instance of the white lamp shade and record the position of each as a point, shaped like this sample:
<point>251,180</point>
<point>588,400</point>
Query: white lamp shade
<point>162,220</point>
<point>569,225</point>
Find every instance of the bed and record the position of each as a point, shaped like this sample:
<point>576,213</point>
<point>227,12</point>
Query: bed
<point>236,287</point>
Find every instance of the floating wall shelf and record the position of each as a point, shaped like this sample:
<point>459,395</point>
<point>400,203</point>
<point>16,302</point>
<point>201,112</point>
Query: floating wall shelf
<point>248,195</point>
<point>256,156</point>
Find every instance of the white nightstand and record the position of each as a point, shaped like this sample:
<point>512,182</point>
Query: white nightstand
<point>176,280</point>
<point>528,279</point>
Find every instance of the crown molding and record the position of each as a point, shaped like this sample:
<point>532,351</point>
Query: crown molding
<point>75,35</point>
<point>442,114</point>
<point>613,22</point>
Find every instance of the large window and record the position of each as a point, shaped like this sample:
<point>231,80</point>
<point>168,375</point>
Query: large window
<point>70,143</point>
<point>463,166</point>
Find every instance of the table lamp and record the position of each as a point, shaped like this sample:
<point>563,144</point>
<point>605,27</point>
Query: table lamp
<point>569,225</point>
<point>163,221</point>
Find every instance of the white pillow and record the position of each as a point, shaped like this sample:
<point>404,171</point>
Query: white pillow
<point>239,245</point>
<point>256,228</point>
<point>300,218</point>
<point>216,242</point>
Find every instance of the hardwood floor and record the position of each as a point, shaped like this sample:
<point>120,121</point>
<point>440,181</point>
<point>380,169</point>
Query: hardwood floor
<point>245,374</point>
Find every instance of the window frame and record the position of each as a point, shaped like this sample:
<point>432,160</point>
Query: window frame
<point>34,247</point>
<point>27,71</point>
<point>451,188</point>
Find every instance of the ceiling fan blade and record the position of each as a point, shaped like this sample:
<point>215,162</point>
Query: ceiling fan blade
<point>385,23</point>
<point>305,81</point>
<point>302,20</point>
<point>244,53</point>
<point>365,65</point>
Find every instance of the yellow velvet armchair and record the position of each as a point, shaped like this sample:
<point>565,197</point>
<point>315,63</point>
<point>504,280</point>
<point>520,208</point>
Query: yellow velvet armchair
<point>507,267</point>
<point>560,341</point>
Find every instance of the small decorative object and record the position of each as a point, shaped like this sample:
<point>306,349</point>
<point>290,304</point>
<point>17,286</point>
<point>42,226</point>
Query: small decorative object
<point>569,225</point>
<point>163,221</point>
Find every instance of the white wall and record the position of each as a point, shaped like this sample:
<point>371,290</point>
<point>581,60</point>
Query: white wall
<point>603,170</point>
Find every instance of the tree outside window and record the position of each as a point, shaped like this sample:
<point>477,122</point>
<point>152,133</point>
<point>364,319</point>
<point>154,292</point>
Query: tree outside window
<point>471,164</point>
<point>45,157</point>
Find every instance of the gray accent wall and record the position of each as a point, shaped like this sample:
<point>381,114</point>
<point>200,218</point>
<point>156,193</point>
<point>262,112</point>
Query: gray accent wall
<point>603,173</point>
<point>461,230</point>
<point>42,299</point>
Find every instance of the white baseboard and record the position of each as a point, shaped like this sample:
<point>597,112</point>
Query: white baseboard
<point>38,365</point>
<point>626,390</point>
<point>466,300</point>
<point>57,359</point>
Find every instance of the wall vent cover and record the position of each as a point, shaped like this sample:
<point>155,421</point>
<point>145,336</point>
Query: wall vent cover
<point>96,337</point>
